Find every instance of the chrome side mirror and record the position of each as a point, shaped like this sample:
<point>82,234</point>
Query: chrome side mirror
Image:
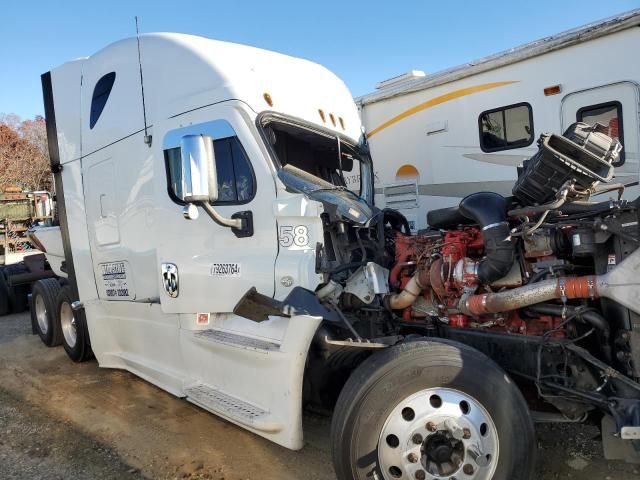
<point>200,185</point>
<point>199,169</point>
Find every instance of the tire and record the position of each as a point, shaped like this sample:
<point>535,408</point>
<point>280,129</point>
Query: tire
<point>43,314</point>
<point>18,295</point>
<point>424,405</point>
<point>5,308</point>
<point>75,336</point>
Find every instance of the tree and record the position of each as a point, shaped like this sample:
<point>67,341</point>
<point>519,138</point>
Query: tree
<point>24,155</point>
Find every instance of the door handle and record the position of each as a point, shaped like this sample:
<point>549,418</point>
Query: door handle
<point>102,215</point>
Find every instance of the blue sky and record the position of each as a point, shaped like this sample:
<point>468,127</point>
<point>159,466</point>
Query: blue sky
<point>363,42</point>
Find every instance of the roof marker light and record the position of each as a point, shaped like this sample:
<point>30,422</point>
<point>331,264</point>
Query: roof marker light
<point>268,99</point>
<point>322,115</point>
<point>333,119</point>
<point>341,122</point>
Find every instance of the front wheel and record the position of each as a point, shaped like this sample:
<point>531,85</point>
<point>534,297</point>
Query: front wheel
<point>430,410</point>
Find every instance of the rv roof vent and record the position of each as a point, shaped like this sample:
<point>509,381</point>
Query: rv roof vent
<point>400,79</point>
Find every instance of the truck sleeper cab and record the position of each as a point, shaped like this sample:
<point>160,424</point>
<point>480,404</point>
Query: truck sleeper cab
<point>242,184</point>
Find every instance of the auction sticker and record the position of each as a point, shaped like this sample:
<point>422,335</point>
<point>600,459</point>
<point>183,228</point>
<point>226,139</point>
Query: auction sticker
<point>117,283</point>
<point>226,270</point>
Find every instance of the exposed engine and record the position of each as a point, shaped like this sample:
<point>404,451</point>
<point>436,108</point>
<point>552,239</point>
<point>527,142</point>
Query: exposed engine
<point>542,288</point>
<point>546,283</point>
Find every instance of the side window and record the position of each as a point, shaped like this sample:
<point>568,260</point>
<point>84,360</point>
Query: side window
<point>609,115</point>
<point>100,96</point>
<point>236,184</point>
<point>506,127</point>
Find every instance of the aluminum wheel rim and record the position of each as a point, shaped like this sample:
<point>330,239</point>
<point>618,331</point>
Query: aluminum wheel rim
<point>41,314</point>
<point>68,324</point>
<point>426,426</point>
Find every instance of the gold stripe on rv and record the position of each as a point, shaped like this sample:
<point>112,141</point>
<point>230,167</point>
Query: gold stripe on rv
<point>463,92</point>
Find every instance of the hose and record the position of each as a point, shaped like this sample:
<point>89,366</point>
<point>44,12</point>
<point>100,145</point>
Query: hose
<point>591,317</point>
<point>489,211</point>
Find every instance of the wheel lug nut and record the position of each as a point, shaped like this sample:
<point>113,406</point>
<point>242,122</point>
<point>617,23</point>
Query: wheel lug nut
<point>466,434</point>
<point>417,439</point>
<point>420,475</point>
<point>432,427</point>
<point>468,469</point>
<point>412,457</point>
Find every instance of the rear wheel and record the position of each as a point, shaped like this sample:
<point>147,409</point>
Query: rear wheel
<point>431,410</point>
<point>75,337</point>
<point>43,314</point>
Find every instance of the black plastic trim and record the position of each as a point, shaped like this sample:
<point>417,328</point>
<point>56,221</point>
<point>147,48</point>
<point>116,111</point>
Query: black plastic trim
<point>56,167</point>
<point>508,147</point>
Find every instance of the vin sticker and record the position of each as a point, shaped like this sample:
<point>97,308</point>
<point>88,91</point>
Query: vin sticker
<point>116,281</point>
<point>225,270</point>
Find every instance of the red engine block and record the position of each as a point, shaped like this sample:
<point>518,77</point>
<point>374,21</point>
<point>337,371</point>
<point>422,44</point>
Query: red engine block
<point>461,248</point>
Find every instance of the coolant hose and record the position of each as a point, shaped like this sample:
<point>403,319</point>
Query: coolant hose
<point>489,210</point>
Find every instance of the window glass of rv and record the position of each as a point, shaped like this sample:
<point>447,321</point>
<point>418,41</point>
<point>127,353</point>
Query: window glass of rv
<point>609,115</point>
<point>235,176</point>
<point>506,127</point>
<point>100,96</point>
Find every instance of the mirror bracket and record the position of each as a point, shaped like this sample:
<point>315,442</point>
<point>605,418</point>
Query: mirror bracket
<point>241,223</point>
<point>246,219</point>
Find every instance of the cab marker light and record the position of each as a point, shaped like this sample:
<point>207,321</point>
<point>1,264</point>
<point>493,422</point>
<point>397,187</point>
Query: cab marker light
<point>333,119</point>
<point>341,122</point>
<point>322,115</point>
<point>268,99</point>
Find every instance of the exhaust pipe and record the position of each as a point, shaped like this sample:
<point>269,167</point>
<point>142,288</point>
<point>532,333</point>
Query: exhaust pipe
<point>622,285</point>
<point>407,297</point>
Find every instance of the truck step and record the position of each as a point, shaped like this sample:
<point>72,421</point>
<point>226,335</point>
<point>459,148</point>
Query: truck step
<point>231,408</point>
<point>236,340</point>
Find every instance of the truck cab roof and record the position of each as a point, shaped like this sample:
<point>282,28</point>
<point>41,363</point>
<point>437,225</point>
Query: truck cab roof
<point>185,72</point>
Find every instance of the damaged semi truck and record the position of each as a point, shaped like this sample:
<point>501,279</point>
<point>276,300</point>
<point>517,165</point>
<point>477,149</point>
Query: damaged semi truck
<point>211,246</point>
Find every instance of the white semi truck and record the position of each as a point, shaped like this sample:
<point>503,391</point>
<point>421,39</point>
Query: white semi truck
<point>209,244</point>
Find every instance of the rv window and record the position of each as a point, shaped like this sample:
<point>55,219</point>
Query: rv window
<point>609,115</point>
<point>235,176</point>
<point>100,96</point>
<point>506,127</point>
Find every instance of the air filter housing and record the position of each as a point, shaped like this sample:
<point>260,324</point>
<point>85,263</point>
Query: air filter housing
<point>583,154</point>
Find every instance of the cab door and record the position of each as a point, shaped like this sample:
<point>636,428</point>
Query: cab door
<point>203,266</point>
<point>616,107</point>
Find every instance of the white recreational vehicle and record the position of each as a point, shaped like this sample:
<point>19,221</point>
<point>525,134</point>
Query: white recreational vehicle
<point>209,244</point>
<point>437,138</point>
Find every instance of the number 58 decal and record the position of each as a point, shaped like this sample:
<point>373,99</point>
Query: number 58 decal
<point>289,235</point>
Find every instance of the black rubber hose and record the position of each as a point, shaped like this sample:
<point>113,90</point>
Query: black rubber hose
<point>589,316</point>
<point>397,220</point>
<point>489,210</point>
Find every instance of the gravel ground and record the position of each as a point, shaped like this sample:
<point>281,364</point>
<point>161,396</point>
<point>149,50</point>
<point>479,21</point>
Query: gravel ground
<point>60,420</point>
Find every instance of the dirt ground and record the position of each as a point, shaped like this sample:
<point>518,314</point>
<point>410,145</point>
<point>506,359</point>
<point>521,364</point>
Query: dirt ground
<point>60,420</point>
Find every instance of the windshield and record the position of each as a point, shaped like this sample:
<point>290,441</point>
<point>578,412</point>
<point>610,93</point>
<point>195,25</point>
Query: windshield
<point>329,162</point>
